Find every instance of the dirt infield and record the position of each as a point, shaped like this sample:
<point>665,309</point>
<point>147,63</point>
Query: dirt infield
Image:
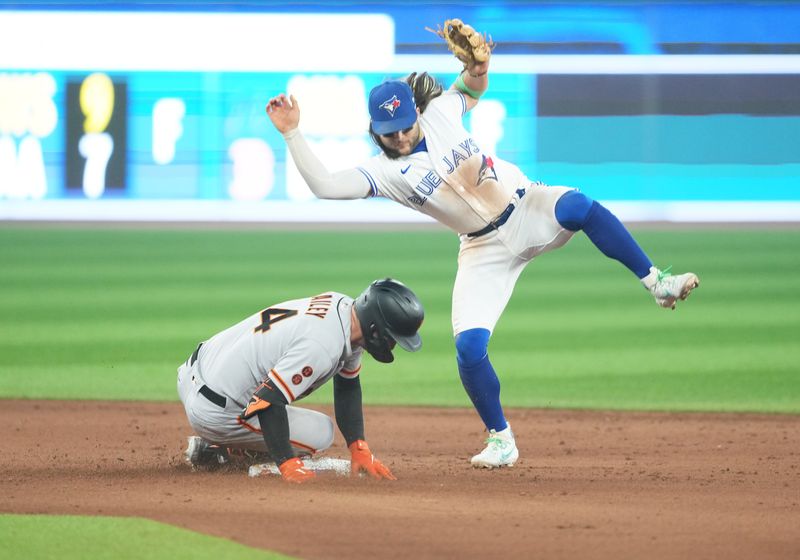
<point>589,484</point>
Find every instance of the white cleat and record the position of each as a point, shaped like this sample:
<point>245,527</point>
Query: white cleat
<point>501,451</point>
<point>668,289</point>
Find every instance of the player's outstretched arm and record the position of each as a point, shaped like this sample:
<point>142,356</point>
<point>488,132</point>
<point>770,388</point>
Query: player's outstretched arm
<point>350,419</point>
<point>344,185</point>
<point>473,82</point>
<point>474,50</point>
<point>284,112</point>
<point>347,407</point>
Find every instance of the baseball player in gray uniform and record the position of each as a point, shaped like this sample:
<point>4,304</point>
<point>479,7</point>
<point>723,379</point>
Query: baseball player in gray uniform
<point>429,162</point>
<point>238,387</point>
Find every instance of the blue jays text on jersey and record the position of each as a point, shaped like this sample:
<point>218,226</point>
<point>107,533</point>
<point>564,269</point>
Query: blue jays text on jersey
<point>431,180</point>
<point>468,146</point>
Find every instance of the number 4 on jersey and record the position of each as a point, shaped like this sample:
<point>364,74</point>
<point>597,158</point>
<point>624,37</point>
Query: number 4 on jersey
<point>273,315</point>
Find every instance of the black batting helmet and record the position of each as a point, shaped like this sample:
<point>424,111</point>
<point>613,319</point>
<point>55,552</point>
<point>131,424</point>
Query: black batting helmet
<point>389,312</point>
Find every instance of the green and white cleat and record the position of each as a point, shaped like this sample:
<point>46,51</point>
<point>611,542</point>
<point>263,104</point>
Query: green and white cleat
<point>668,288</point>
<point>501,451</point>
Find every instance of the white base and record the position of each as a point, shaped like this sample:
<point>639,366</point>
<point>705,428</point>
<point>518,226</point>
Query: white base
<point>339,466</point>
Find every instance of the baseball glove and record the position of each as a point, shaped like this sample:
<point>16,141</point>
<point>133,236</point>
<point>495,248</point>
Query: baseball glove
<point>468,46</point>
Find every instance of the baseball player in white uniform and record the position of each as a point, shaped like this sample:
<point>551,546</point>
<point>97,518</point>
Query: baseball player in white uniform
<point>239,386</point>
<point>431,163</point>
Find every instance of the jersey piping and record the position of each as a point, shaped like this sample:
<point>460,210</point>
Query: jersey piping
<point>463,103</point>
<point>287,392</point>
<point>248,426</point>
<point>348,374</point>
<point>373,188</point>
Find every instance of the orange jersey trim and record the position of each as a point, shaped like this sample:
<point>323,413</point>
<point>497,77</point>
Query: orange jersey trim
<point>353,373</point>
<point>303,445</point>
<point>283,384</point>
<point>247,426</point>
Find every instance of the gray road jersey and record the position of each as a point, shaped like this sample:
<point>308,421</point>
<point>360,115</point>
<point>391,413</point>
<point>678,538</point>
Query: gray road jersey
<point>298,344</point>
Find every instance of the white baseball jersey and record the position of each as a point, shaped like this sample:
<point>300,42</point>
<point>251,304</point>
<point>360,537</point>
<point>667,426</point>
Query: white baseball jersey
<point>299,345</point>
<point>454,181</point>
<point>462,187</point>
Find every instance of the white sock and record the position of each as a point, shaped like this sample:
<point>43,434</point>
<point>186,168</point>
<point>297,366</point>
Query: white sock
<point>506,433</point>
<point>650,280</point>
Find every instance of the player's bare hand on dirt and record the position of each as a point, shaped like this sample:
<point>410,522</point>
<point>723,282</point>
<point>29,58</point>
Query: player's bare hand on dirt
<point>295,471</point>
<point>361,458</point>
<point>284,112</point>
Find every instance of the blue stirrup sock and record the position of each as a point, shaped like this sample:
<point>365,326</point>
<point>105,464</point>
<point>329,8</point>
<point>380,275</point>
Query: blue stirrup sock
<point>479,378</point>
<point>576,211</point>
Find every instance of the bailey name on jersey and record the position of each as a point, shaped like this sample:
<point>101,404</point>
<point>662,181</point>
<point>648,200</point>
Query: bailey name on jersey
<point>319,305</point>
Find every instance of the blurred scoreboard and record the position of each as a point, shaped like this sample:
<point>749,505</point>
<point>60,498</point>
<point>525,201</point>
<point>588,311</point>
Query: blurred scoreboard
<point>154,106</point>
<point>173,114</point>
<point>95,150</point>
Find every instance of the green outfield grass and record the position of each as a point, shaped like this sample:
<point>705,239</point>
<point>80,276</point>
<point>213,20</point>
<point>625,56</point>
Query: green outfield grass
<point>46,537</point>
<point>96,313</point>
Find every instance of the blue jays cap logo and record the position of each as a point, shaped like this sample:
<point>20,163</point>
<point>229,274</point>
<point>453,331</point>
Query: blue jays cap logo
<point>390,105</point>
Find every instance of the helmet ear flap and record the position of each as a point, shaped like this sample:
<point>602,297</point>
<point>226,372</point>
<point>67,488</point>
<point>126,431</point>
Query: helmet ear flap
<point>389,313</point>
<point>374,333</point>
<point>378,344</point>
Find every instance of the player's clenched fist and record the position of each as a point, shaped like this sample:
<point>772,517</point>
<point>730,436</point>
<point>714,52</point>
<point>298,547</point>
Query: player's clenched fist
<point>361,458</point>
<point>295,471</point>
<point>284,112</point>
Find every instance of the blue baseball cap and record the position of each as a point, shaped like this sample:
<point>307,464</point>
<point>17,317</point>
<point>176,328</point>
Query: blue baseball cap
<point>391,107</point>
